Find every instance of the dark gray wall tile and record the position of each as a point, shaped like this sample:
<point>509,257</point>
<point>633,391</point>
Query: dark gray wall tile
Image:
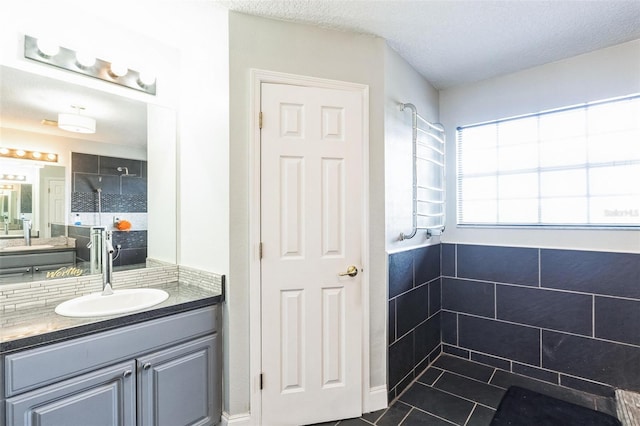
<point>583,385</point>
<point>471,297</point>
<point>617,319</point>
<point>491,360</point>
<point>465,367</point>
<point>452,350</point>
<point>426,262</point>
<point>411,309</point>
<point>400,273</point>
<point>505,340</point>
<point>614,274</point>
<point>401,361</point>
<point>536,373</point>
<point>604,362</point>
<point>513,265</point>
<point>448,253</point>
<point>449,327</point>
<point>545,308</point>
<point>109,166</point>
<point>85,163</point>
<point>392,321</point>
<point>427,337</point>
<point>435,298</point>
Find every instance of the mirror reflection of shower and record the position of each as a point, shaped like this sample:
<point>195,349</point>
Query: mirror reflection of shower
<point>125,170</point>
<point>99,195</point>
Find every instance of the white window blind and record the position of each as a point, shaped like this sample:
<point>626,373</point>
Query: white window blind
<point>576,167</point>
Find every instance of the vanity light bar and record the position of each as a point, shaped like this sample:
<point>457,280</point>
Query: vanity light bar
<point>13,177</point>
<point>82,63</point>
<point>9,187</point>
<point>23,154</point>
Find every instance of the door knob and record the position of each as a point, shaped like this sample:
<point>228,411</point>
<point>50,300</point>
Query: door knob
<point>352,271</point>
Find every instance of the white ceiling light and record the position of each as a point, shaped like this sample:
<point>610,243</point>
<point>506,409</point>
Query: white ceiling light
<point>76,123</point>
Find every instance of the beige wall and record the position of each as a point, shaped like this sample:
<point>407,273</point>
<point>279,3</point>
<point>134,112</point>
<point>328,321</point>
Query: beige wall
<point>310,51</point>
<point>602,74</point>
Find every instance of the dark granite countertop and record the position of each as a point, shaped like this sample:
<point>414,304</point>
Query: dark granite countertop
<point>39,326</point>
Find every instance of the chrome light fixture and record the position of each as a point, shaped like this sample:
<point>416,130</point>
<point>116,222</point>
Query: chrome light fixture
<point>49,53</point>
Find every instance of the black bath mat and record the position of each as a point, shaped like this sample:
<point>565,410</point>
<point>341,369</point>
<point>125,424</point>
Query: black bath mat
<point>523,407</point>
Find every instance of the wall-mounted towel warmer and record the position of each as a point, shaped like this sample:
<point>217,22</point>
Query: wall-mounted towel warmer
<point>428,175</point>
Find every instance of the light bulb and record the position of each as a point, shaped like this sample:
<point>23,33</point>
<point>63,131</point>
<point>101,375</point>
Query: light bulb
<point>118,70</point>
<point>51,157</point>
<point>20,153</point>
<point>146,78</point>
<point>4,151</point>
<point>47,48</point>
<point>85,59</point>
<point>36,154</point>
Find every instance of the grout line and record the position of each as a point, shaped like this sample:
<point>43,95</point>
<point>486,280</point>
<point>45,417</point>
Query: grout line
<point>406,415</point>
<point>470,414</point>
<point>541,354</point>
<point>492,376</point>
<point>593,316</point>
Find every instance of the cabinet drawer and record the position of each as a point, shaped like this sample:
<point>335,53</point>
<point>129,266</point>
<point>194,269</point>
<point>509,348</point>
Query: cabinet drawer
<point>38,367</point>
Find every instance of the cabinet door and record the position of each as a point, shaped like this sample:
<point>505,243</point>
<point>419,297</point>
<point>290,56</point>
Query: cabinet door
<point>105,397</point>
<point>177,386</point>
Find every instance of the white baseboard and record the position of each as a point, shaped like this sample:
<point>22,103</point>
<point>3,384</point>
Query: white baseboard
<point>236,419</point>
<point>377,399</point>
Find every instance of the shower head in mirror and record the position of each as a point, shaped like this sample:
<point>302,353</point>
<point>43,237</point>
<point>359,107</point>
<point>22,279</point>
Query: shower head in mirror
<point>125,170</point>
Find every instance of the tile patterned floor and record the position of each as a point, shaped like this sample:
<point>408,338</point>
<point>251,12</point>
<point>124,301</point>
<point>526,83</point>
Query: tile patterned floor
<point>455,391</point>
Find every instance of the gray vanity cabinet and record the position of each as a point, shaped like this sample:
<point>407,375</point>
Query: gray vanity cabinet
<point>102,398</point>
<point>163,372</point>
<point>27,266</point>
<point>174,385</point>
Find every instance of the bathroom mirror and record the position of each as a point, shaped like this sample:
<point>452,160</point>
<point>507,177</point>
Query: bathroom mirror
<point>115,156</point>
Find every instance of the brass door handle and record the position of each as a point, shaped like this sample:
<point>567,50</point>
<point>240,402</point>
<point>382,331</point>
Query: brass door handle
<point>352,271</point>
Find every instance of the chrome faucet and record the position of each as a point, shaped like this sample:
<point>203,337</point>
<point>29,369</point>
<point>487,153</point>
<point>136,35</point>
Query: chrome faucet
<point>26,227</point>
<point>107,263</point>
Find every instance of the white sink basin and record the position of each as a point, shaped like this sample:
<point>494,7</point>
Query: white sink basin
<point>22,248</point>
<point>120,302</point>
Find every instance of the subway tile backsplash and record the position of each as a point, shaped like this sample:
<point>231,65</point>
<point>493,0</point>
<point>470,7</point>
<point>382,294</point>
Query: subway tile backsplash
<point>566,317</point>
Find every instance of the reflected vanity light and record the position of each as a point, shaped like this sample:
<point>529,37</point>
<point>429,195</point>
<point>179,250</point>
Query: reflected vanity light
<point>12,177</point>
<point>23,154</point>
<point>84,63</point>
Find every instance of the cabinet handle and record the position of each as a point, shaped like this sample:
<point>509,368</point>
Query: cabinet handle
<point>126,374</point>
<point>146,366</point>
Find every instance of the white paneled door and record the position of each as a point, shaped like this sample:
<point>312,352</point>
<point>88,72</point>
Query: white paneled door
<point>311,233</point>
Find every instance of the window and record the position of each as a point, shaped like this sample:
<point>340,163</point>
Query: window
<point>572,167</point>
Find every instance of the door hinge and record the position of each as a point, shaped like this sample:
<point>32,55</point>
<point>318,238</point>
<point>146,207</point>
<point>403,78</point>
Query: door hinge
<point>261,380</point>
<point>260,120</point>
<point>260,250</point>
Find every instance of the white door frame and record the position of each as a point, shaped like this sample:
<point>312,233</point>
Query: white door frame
<point>255,337</point>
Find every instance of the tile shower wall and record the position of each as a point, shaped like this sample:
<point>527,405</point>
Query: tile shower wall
<point>563,316</point>
<point>120,194</point>
<point>414,314</point>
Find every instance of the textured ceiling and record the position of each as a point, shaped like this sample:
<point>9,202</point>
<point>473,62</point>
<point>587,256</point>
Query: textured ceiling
<point>456,42</point>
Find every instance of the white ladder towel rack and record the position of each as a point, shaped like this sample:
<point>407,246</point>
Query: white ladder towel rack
<point>429,158</point>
